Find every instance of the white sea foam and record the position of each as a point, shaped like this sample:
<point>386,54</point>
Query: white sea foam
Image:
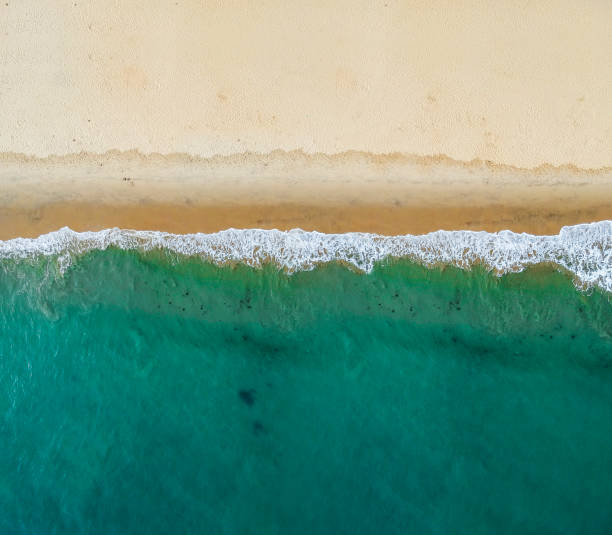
<point>584,250</point>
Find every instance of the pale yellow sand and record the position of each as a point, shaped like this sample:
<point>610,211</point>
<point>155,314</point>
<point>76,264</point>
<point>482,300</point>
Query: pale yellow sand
<point>511,81</point>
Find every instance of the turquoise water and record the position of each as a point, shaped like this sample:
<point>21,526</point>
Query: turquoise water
<point>143,393</point>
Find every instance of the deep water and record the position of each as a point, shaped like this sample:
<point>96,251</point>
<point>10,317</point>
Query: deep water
<point>141,393</point>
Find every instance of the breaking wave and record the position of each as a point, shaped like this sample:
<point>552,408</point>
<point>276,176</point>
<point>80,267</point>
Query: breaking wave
<point>584,250</point>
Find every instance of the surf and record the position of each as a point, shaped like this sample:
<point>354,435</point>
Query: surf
<point>583,250</point>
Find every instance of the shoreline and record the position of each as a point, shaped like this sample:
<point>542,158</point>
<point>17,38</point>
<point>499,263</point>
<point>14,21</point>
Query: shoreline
<point>581,250</point>
<point>376,219</point>
<point>349,192</point>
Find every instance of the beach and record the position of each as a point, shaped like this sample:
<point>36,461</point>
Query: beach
<point>348,192</point>
<point>401,118</point>
<point>306,267</point>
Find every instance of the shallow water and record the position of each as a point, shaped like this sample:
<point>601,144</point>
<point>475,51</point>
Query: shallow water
<point>150,393</point>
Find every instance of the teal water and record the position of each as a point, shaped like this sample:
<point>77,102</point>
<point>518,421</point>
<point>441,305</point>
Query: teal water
<point>146,394</point>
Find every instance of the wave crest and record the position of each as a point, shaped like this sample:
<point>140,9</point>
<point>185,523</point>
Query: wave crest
<point>585,250</point>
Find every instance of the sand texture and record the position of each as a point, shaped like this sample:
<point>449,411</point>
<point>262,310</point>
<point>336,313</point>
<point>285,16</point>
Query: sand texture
<point>197,116</point>
<point>386,194</point>
<point>520,83</point>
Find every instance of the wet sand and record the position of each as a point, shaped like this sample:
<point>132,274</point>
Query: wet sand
<point>386,194</point>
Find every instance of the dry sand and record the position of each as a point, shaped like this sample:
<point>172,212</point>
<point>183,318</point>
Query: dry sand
<point>353,191</point>
<point>515,82</point>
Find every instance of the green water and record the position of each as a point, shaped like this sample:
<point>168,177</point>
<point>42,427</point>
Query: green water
<point>144,395</point>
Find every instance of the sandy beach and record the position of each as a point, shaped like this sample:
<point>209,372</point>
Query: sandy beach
<point>353,191</point>
<point>388,117</point>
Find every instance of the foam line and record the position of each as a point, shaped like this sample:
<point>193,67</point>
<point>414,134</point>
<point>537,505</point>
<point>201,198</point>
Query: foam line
<point>585,250</point>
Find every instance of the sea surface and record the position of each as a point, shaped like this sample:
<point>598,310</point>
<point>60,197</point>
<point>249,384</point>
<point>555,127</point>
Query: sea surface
<point>259,382</point>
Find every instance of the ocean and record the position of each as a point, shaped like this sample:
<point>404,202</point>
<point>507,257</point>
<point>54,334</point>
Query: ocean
<point>266,382</point>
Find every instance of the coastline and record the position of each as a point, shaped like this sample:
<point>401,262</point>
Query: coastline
<point>582,250</point>
<point>348,192</point>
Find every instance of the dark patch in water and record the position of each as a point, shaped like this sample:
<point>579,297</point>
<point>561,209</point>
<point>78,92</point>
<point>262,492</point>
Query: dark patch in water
<point>247,396</point>
<point>246,301</point>
<point>258,428</point>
